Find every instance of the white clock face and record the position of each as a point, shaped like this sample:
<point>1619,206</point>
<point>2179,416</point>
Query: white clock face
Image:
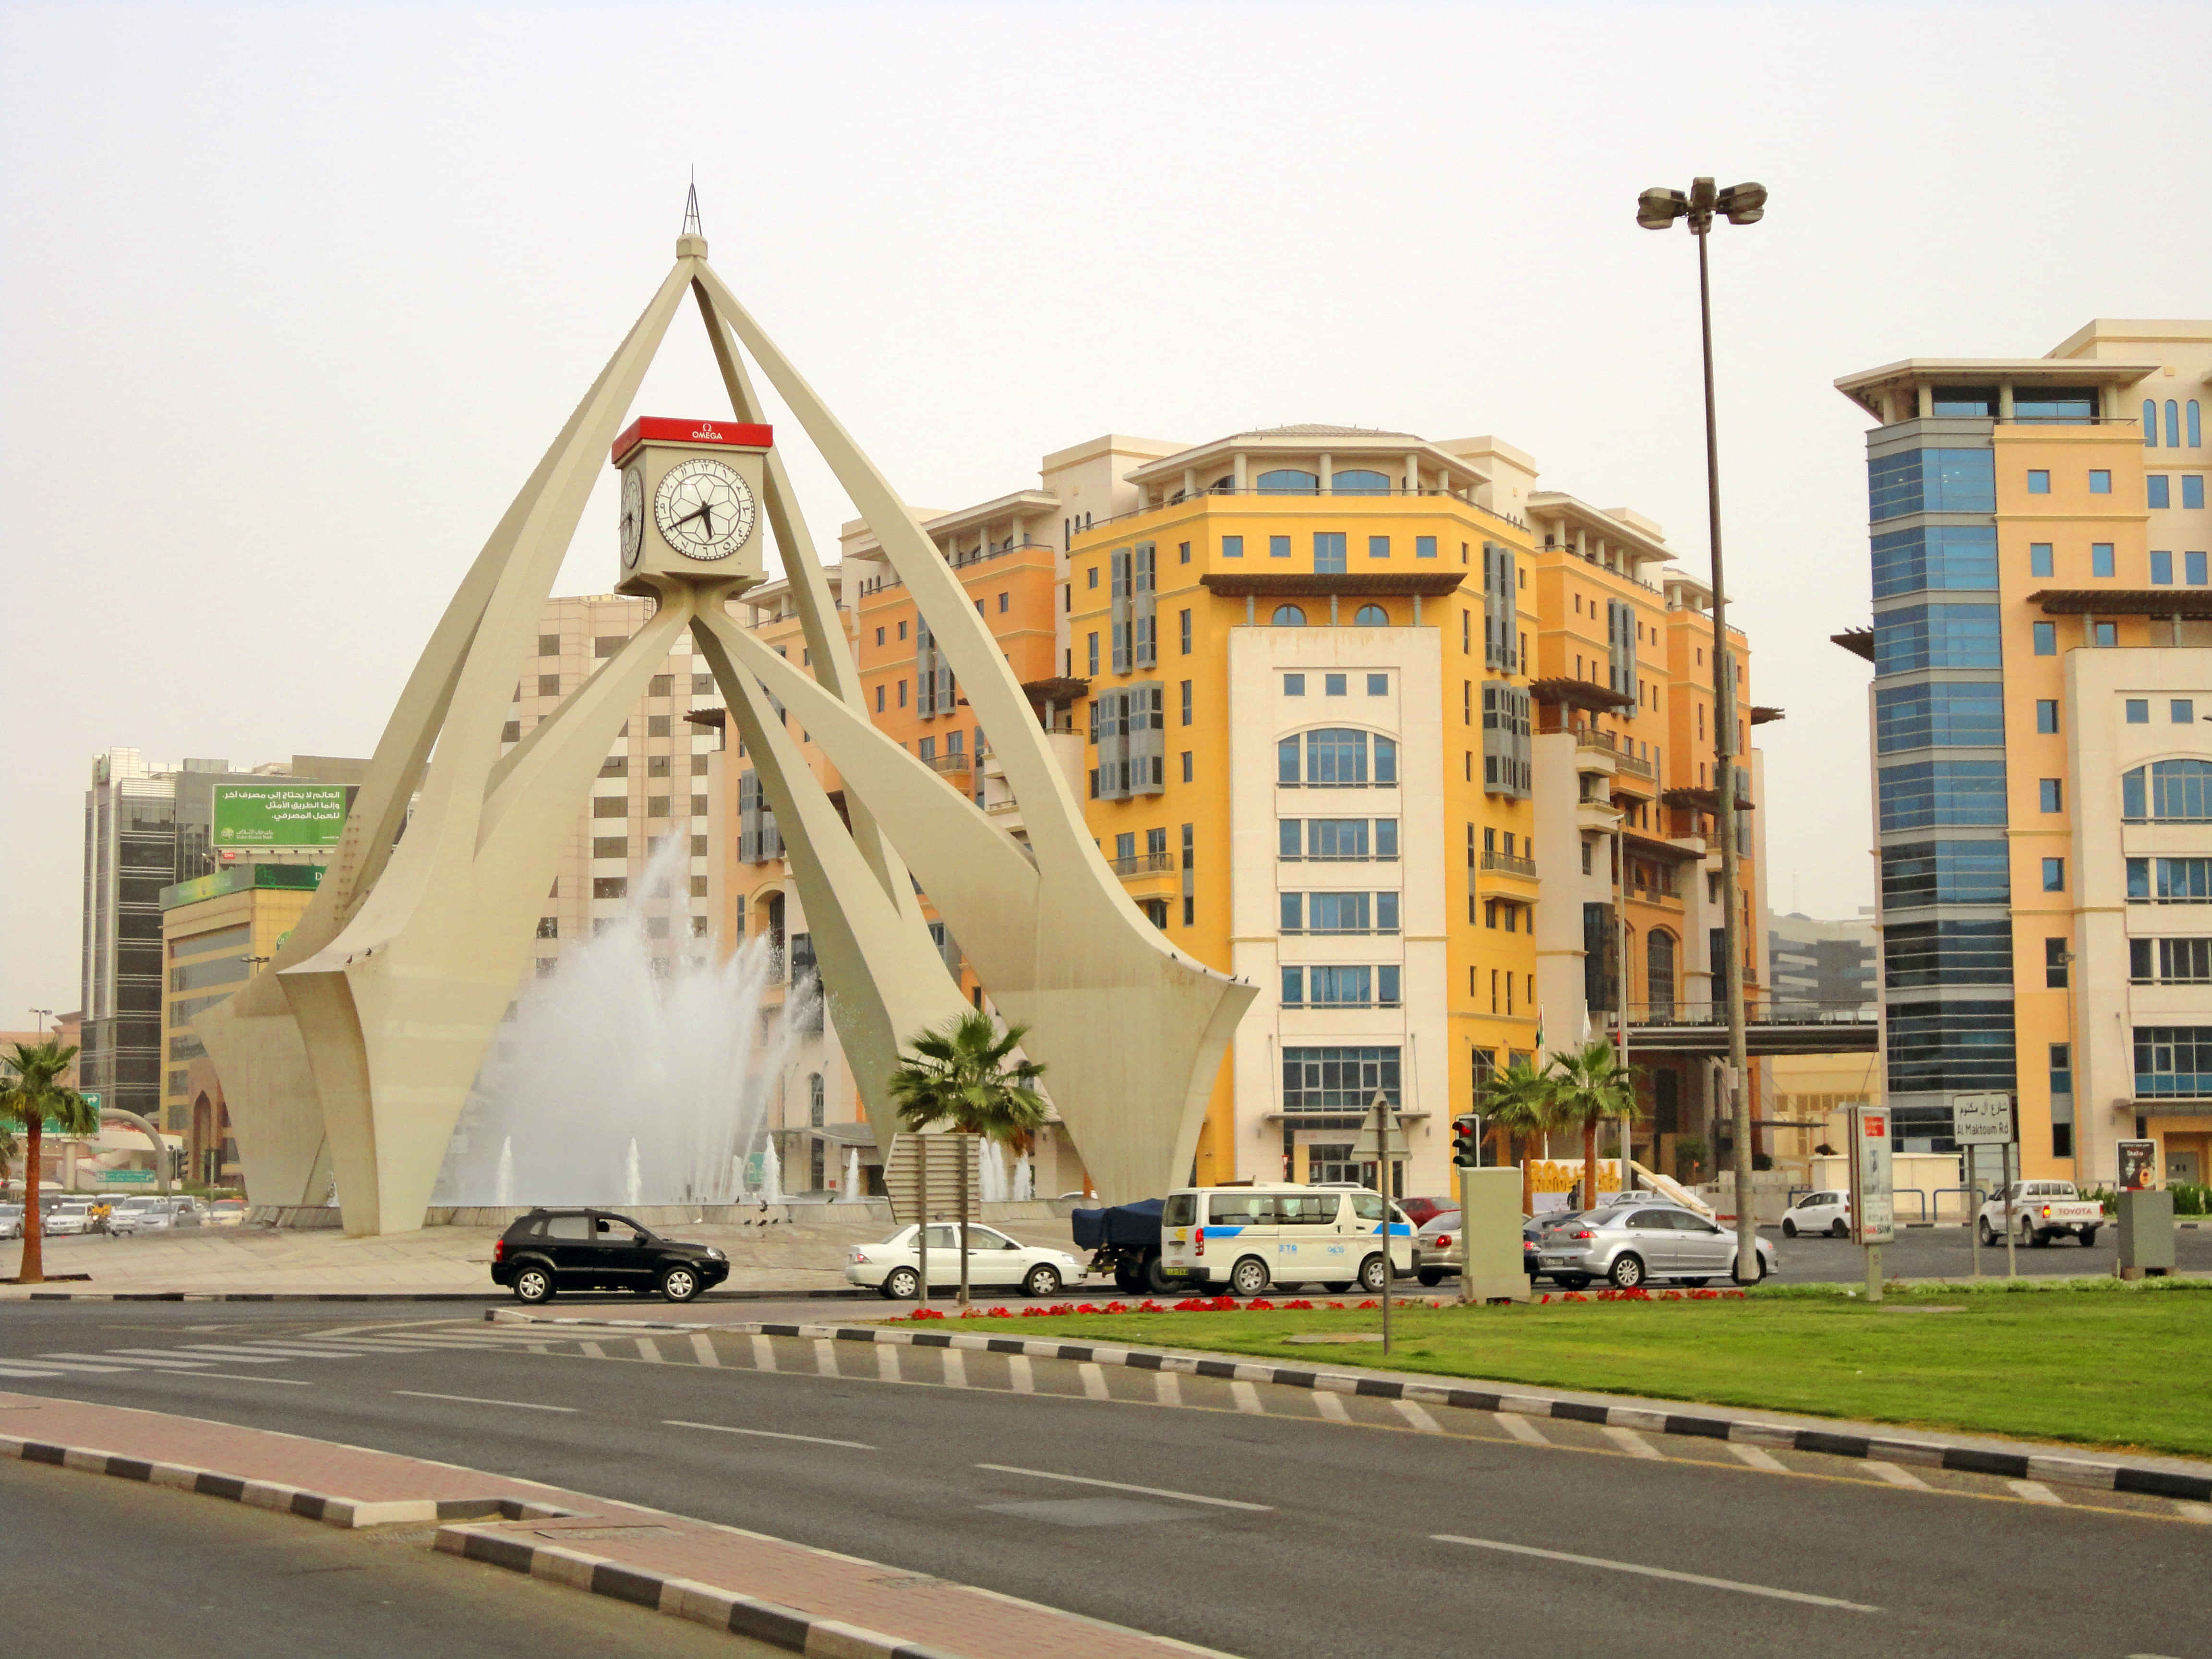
<point>633,516</point>
<point>704,508</point>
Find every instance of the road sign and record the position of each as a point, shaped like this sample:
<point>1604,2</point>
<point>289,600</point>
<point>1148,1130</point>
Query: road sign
<point>948,1154</point>
<point>126,1177</point>
<point>1367,1147</point>
<point>1982,1119</point>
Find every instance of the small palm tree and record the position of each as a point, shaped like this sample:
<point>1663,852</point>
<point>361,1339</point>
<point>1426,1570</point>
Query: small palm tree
<point>1524,1103</point>
<point>31,1095</point>
<point>1593,1085</point>
<point>965,1076</point>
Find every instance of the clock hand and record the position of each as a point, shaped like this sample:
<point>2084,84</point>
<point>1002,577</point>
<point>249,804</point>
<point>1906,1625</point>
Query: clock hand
<point>696,512</point>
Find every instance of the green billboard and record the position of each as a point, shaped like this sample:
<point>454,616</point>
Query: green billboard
<point>277,814</point>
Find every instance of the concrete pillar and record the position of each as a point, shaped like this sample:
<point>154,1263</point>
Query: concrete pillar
<point>1328,472</point>
<point>1413,475</point>
<point>1926,394</point>
<point>2004,400</point>
<point>1238,472</point>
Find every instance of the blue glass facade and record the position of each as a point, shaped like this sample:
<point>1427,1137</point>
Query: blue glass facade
<point>1916,637</point>
<point>1934,557</point>
<point>1942,794</point>
<point>1918,873</point>
<point>1931,481</point>
<point>1945,713</point>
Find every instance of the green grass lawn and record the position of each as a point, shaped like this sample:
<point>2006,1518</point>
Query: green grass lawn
<point>2100,1366</point>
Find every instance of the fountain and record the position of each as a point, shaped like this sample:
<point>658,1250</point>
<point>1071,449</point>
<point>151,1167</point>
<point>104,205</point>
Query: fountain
<point>625,1077</point>
<point>771,1183</point>
<point>852,1193</point>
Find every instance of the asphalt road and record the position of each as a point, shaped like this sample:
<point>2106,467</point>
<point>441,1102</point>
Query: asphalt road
<point>1948,1253</point>
<point>1236,1518</point>
<point>88,1563</point>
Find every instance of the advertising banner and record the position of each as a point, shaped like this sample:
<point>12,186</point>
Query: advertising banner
<point>279,814</point>
<point>2138,1164</point>
<point>1872,1209</point>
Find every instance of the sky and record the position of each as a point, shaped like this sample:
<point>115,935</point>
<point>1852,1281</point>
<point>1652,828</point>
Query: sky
<point>293,297</point>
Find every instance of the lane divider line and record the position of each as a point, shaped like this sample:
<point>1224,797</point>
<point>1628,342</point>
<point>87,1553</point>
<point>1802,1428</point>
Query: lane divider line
<point>2189,1487</point>
<point>477,1400</point>
<point>770,1434</point>
<point>1656,1572</point>
<point>1123,1486</point>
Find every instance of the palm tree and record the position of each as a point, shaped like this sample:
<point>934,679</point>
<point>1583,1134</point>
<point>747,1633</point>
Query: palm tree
<point>965,1076</point>
<point>1524,1103</point>
<point>1593,1085</point>
<point>30,1095</point>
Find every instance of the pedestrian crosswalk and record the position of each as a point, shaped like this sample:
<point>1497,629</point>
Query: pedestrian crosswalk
<point>212,1359</point>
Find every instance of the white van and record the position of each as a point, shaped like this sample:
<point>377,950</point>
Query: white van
<point>1250,1238</point>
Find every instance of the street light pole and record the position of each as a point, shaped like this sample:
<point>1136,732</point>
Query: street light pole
<point>1741,204</point>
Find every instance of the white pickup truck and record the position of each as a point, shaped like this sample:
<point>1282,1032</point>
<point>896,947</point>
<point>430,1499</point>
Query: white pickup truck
<point>2041,1212</point>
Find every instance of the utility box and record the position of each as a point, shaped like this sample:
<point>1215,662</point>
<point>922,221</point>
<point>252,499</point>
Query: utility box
<point>2146,1233</point>
<point>1490,1219</point>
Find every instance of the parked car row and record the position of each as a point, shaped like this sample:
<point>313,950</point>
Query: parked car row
<point>1634,1238</point>
<point>64,1214</point>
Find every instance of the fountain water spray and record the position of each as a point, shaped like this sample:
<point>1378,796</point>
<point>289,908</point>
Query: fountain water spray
<point>627,1076</point>
<point>852,1193</point>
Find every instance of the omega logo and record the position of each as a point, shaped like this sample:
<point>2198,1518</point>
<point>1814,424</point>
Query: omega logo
<point>707,430</point>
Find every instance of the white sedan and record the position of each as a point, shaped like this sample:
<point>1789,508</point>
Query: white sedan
<point>892,1268</point>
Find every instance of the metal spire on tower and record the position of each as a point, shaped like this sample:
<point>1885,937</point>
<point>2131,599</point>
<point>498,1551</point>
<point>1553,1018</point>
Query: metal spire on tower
<point>691,225</point>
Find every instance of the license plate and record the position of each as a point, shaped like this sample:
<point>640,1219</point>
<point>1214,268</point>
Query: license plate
<point>1555,1261</point>
<point>1175,1272</point>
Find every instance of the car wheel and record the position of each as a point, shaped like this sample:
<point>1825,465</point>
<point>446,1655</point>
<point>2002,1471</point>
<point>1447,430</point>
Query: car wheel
<point>1789,1228</point>
<point>1573,1281</point>
<point>2087,1236</point>
<point>2040,1239</point>
<point>1756,1278</point>
<point>1431,1276</point>
<point>1249,1277</point>
<point>533,1285</point>
<point>1841,1230</point>
<point>1131,1279</point>
<point>900,1285</point>
<point>1337,1286</point>
<point>1695,1284</point>
<point>1988,1234</point>
<point>1043,1280</point>
<point>1370,1274</point>
<point>1154,1276</point>
<point>1627,1272</point>
<point>679,1284</point>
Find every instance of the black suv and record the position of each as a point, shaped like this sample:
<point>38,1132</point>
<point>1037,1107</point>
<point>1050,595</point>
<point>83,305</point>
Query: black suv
<point>549,1251</point>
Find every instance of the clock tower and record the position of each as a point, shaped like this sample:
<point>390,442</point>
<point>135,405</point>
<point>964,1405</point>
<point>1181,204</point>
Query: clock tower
<point>691,502</point>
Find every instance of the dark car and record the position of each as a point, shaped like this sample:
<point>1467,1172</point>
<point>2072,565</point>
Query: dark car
<point>1422,1211</point>
<point>551,1250</point>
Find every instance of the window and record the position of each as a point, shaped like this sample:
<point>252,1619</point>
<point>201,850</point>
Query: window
<point>1378,547</point>
<point>2056,956</point>
<point>2158,491</point>
<point>2150,423</point>
<point>1294,685</point>
<point>2051,794</point>
<point>2039,482</point>
<point>1279,547</point>
<point>2054,875</point>
<point>1182,552</point>
<point>1094,669</point>
<point>2182,711</point>
<point>1922,955</point>
<point>1359,481</point>
<point>610,887</point>
<point>2174,1060</point>
<point>2104,634</point>
<point>1425,547</point>
<point>1931,481</point>
<point>2196,425</point>
<point>606,645</point>
<point>2100,558</point>
<point>1186,766</point>
<point>1918,873</point>
<point>1331,912</point>
<point>1328,552</point>
<point>1926,794</point>
<point>879,698</point>
<point>1974,401</point>
<point>2162,570</point>
<point>1371,616</point>
<point>1094,582</point>
<point>2101,481</point>
<point>1938,1047</point>
<point>1185,633</point>
<point>1378,685</point>
<point>1917,637</point>
<point>2073,404</point>
<point>1294,988</point>
<point>1349,987</point>
<point>1187,686</point>
<point>2039,562</point>
<point>2192,492</point>
<point>2046,715</point>
<point>1289,481</point>
<point>2193,571</point>
<point>2180,790</point>
<point>879,636</point>
<point>2046,638</point>
<point>548,685</point>
<point>1232,547</point>
<point>1386,985</point>
<point>2170,961</point>
<point>1091,646</point>
<point>2138,711</point>
<point>1969,713</point>
<point>1959,556</point>
<point>1287,616</point>
<point>2174,881</point>
<point>1090,580</point>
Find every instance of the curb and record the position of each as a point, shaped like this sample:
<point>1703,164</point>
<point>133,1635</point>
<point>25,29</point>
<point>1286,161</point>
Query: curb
<point>393,1296</point>
<point>1948,1455</point>
<point>681,1598</point>
<point>269,1495</point>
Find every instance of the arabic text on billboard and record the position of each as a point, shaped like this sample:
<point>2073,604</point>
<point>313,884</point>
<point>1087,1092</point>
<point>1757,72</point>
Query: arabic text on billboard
<point>278,815</point>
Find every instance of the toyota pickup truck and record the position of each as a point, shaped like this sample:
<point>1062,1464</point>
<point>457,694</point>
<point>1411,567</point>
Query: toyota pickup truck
<point>2041,1212</point>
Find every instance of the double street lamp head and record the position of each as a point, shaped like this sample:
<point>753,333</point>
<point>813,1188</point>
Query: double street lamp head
<point>1740,205</point>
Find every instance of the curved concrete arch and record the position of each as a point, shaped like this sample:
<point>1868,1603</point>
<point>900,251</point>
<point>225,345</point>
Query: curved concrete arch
<point>161,1147</point>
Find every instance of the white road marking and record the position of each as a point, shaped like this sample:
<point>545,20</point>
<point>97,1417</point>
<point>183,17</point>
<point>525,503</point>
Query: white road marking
<point>955,1369</point>
<point>1520,1428</point>
<point>2035,1491</point>
<point>887,1362</point>
<point>1123,1486</point>
<point>1753,1457</point>
<point>1898,1477</point>
<point>2202,1512</point>
<point>1247,1398</point>
<point>231,1356</point>
<point>647,1349</point>
<point>1166,1389</point>
<point>1331,1405</point>
<point>297,1350</point>
<point>241,1377</point>
<point>1657,1572</point>
<point>106,1360</point>
<point>593,1350</point>
<point>825,1357</point>
<point>763,1354</point>
<point>1634,1443</point>
<point>474,1399</point>
<point>47,1375</point>
<point>770,1434</point>
<point>1419,1418</point>
<point>702,1350</point>
<point>54,1367</point>
<point>1022,1374</point>
<point>1094,1380</point>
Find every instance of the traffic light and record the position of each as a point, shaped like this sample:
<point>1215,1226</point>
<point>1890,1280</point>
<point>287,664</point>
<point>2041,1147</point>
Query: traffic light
<point>1466,1147</point>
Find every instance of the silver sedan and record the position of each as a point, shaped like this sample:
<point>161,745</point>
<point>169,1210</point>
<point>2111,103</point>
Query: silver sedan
<point>1630,1245</point>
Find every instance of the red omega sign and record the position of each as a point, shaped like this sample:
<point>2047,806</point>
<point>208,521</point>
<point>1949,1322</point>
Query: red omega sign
<point>734,434</point>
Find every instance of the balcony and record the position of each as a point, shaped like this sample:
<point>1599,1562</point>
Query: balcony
<point>944,765</point>
<point>1638,768</point>
<point>1142,863</point>
<point>1510,864</point>
<point>1651,893</point>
